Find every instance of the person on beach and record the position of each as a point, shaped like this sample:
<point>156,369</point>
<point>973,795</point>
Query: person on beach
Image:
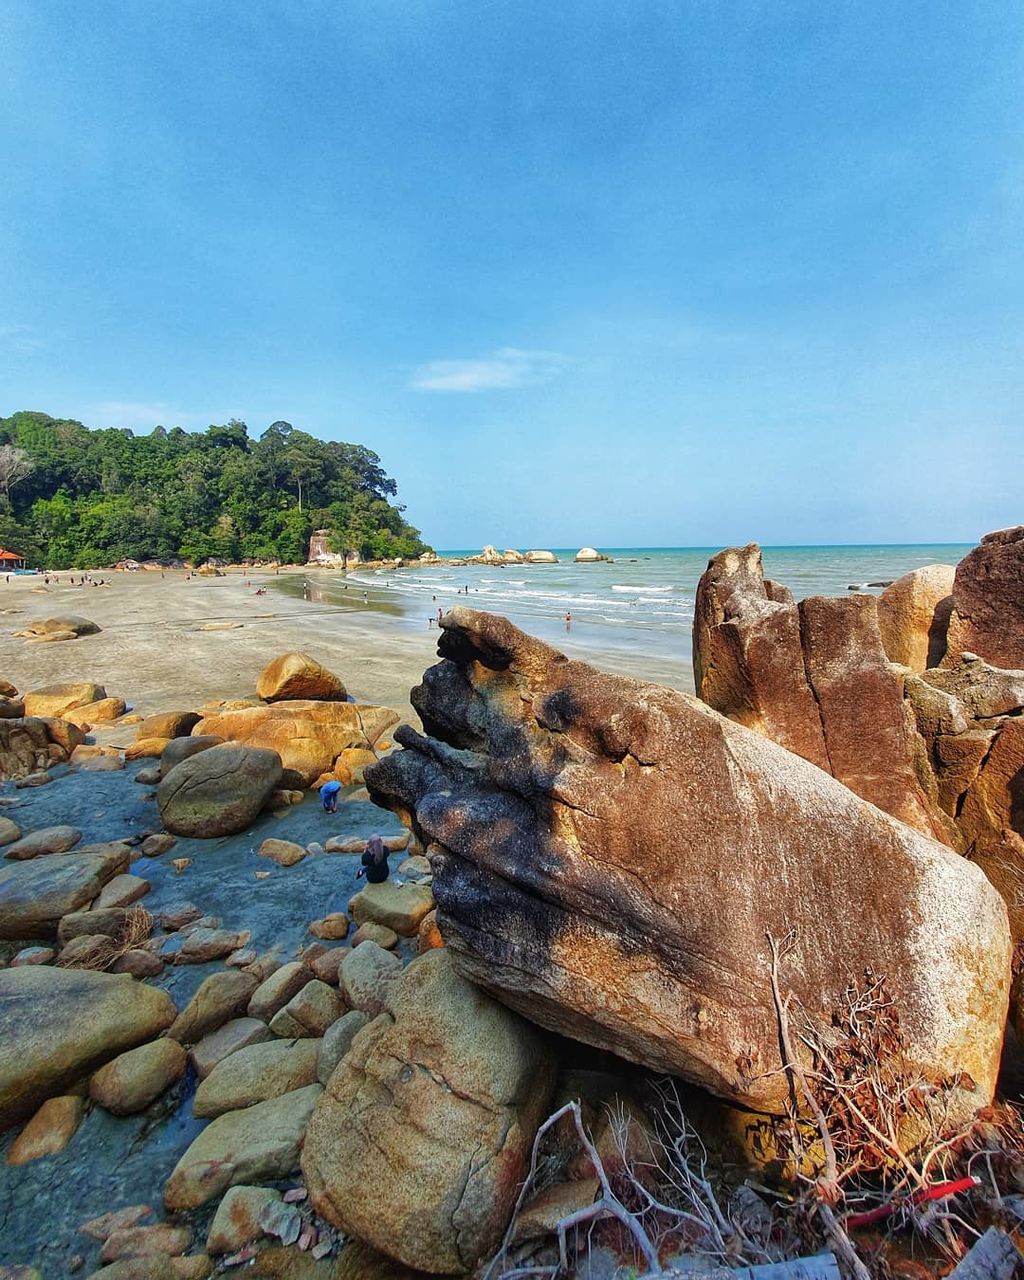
<point>375,863</point>
<point>440,615</point>
<point>329,795</point>
<point>568,621</point>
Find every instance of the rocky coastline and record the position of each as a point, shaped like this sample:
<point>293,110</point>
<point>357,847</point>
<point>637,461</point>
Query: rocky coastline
<point>657,982</point>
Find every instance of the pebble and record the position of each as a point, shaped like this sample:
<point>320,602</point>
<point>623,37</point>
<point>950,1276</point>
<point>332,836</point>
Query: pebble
<point>210,944</point>
<point>49,840</point>
<point>153,846</point>
<point>237,1220</point>
<point>122,891</point>
<point>103,1226</point>
<point>178,916</point>
<point>148,777</point>
<point>286,853</point>
<point>219,1044</point>
<point>131,1081</point>
<point>332,927</point>
<point>135,1242</point>
<point>33,955</point>
<point>33,780</point>
<point>203,922</point>
<point>379,933</point>
<point>49,1131</point>
<point>310,1012</point>
<point>241,958</point>
<point>275,992</point>
<point>139,963</point>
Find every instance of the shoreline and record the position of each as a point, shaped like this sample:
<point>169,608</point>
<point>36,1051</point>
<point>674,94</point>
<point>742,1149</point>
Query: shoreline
<point>152,649</point>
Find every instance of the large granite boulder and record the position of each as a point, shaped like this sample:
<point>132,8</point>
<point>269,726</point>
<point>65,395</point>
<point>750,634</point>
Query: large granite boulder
<point>70,627</point>
<point>58,1024</point>
<point>55,699</point>
<point>609,857</point>
<point>219,791</point>
<point>24,747</point>
<point>913,615</point>
<point>298,676</point>
<point>307,735</point>
<point>988,601</point>
<point>814,678</point>
<point>34,895</point>
<point>435,1107</point>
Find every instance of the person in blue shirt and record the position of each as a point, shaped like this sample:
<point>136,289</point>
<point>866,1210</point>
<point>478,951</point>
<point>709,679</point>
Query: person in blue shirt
<point>329,795</point>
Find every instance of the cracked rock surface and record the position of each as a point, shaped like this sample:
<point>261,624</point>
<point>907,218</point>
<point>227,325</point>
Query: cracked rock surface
<point>609,856</point>
<point>421,1139</point>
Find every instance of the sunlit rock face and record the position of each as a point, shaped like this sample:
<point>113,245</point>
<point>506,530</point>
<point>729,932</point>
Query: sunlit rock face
<point>610,857</point>
<point>813,677</point>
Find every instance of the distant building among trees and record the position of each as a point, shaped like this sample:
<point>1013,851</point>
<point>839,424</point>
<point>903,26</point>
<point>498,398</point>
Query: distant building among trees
<point>74,497</point>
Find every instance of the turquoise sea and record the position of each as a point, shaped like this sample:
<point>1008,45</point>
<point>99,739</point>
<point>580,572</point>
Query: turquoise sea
<point>640,602</point>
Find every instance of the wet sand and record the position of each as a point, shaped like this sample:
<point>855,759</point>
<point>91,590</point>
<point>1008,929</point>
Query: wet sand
<point>152,651</point>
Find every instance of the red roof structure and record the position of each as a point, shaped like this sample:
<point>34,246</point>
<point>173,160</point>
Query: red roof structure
<point>10,555</point>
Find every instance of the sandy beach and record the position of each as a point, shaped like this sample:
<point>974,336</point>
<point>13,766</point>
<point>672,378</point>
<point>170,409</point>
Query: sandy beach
<point>153,651</point>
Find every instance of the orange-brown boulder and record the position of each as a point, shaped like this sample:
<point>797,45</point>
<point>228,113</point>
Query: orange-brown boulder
<point>611,856</point>
<point>307,735</point>
<point>298,676</point>
<point>168,724</point>
<point>870,734</point>
<point>913,614</point>
<point>988,601</point>
<point>992,818</point>
<point>814,678</point>
<point>747,657</point>
<point>55,699</point>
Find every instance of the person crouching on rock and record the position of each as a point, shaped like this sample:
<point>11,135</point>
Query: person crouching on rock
<point>329,795</point>
<point>375,863</point>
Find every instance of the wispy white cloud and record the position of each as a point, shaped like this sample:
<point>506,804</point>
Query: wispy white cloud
<point>502,370</point>
<point>138,415</point>
<point>20,340</point>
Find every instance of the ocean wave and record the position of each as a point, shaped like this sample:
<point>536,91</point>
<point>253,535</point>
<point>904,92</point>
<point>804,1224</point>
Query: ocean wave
<point>629,586</point>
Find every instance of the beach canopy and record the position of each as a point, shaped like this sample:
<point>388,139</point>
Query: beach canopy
<point>9,555</point>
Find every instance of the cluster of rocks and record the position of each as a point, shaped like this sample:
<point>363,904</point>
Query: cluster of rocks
<point>47,726</point>
<point>589,855</point>
<point>495,559</point>
<point>914,699</point>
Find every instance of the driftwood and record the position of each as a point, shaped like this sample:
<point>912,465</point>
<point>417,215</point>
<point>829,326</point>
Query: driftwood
<point>823,1266</point>
<point>994,1257</point>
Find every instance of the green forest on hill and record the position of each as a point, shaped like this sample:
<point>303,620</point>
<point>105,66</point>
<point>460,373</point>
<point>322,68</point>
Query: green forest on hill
<point>71,497</point>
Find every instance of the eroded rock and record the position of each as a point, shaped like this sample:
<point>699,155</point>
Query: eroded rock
<point>988,601</point>
<point>435,1105</point>
<point>610,855</point>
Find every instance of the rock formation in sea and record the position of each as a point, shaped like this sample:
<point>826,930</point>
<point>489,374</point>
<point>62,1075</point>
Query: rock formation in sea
<point>611,857</point>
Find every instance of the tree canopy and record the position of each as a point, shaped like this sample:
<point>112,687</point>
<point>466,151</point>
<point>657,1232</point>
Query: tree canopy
<point>71,497</point>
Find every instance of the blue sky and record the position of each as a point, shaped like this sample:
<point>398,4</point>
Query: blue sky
<point>620,274</point>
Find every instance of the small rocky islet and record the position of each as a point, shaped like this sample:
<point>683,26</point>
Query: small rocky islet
<point>618,904</point>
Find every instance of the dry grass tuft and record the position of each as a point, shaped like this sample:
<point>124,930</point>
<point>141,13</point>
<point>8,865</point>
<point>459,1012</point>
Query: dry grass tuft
<point>105,952</point>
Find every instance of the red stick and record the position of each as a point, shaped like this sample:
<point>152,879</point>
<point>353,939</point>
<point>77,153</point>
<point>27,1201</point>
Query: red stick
<point>939,1191</point>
